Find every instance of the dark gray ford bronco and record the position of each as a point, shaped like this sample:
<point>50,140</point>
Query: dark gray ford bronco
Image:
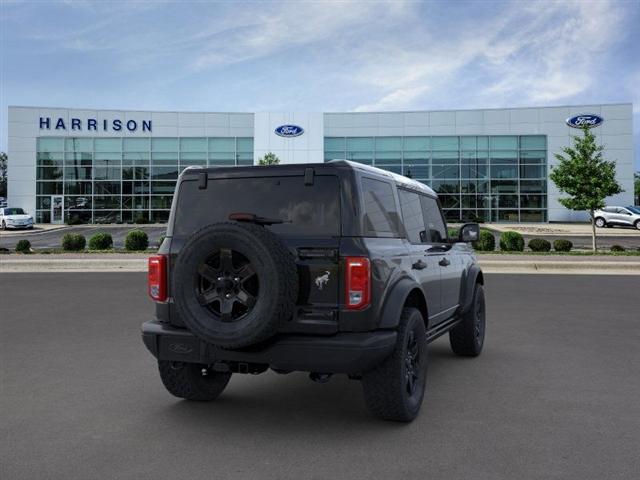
<point>323,268</point>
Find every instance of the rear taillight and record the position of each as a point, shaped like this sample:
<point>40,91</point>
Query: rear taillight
<point>357,282</point>
<point>157,278</point>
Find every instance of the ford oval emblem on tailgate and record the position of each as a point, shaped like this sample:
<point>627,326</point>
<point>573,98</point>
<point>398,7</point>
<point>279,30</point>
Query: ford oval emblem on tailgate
<point>180,348</point>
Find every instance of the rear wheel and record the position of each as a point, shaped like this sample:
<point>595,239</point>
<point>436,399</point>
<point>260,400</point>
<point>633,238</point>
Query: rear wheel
<point>394,390</point>
<point>637,224</point>
<point>4,225</point>
<point>600,223</point>
<point>192,381</point>
<point>467,338</point>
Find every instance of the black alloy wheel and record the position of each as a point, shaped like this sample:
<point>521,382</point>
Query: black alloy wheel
<point>412,363</point>
<point>228,285</point>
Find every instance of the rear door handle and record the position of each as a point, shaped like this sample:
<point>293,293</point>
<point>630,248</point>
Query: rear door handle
<point>419,265</point>
<point>444,262</point>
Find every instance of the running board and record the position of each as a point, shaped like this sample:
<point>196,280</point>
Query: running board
<point>441,328</point>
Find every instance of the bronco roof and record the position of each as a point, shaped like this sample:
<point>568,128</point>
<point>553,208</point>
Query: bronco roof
<point>299,168</point>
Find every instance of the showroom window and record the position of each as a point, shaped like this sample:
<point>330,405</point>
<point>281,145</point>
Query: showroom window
<point>477,177</point>
<point>123,179</point>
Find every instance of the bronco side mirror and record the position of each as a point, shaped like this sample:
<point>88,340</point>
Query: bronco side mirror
<point>469,232</point>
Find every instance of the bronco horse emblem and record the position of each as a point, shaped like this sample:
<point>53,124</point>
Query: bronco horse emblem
<point>322,280</point>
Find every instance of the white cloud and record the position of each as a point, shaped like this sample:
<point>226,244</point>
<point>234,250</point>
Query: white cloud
<point>287,26</point>
<point>528,54</point>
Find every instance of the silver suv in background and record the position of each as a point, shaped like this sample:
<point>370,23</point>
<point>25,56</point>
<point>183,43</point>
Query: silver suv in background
<point>622,216</point>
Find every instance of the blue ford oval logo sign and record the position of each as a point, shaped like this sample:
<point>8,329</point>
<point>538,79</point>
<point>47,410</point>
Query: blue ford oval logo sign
<point>289,131</point>
<point>587,120</point>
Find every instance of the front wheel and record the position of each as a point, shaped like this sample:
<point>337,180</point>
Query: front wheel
<point>192,381</point>
<point>467,338</point>
<point>600,223</point>
<point>637,224</point>
<point>394,390</point>
<point>4,225</point>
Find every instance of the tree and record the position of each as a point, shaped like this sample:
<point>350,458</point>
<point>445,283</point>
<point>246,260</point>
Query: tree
<point>636,188</point>
<point>269,159</point>
<point>3,174</point>
<point>585,177</point>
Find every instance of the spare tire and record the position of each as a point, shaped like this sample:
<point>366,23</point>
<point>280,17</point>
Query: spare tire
<point>234,284</point>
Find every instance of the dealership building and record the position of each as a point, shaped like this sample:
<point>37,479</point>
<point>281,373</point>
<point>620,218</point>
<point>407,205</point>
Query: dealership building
<point>107,166</point>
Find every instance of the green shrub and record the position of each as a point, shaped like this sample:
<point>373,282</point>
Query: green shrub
<point>562,245</point>
<point>486,242</point>
<point>511,242</point>
<point>141,220</point>
<point>101,241</point>
<point>136,240</point>
<point>453,233</point>
<point>73,242</point>
<point>617,248</point>
<point>160,240</point>
<point>539,245</point>
<point>74,220</point>
<point>23,246</point>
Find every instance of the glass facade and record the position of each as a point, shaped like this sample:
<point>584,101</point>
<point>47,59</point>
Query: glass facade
<point>501,178</point>
<point>109,180</point>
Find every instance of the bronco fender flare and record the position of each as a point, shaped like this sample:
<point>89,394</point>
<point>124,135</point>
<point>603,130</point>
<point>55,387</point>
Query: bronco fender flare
<point>397,298</point>
<point>472,276</point>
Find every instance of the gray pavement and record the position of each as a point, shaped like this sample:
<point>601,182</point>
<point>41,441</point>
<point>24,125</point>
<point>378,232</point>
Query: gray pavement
<point>554,395</point>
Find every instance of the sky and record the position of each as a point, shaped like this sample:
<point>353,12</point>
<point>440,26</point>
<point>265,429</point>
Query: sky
<point>318,55</point>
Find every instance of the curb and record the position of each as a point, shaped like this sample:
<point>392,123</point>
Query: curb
<point>73,265</point>
<point>32,265</point>
<point>527,266</point>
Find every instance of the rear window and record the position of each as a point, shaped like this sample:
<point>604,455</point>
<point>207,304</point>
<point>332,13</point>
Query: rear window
<point>307,210</point>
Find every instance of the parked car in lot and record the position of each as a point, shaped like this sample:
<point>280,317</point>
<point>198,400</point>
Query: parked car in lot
<point>332,268</point>
<point>618,216</point>
<point>15,218</point>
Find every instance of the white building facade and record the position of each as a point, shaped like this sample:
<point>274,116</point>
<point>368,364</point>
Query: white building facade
<point>106,166</point>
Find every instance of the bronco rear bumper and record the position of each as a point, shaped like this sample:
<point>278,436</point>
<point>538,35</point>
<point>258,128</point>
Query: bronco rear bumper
<point>350,353</point>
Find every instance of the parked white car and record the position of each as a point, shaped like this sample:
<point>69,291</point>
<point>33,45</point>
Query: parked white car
<point>621,216</point>
<point>15,218</point>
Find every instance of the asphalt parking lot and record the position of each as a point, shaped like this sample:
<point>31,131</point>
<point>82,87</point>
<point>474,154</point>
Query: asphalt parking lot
<point>53,238</point>
<point>555,394</point>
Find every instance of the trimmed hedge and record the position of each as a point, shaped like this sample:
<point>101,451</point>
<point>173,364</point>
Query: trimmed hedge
<point>23,246</point>
<point>141,220</point>
<point>136,240</point>
<point>101,241</point>
<point>453,233</point>
<point>486,242</point>
<point>73,242</point>
<point>511,242</point>
<point>160,240</point>
<point>562,245</point>
<point>539,245</point>
<point>617,248</point>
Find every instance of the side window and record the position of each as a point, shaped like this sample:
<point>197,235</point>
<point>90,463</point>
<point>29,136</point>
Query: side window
<point>436,230</point>
<point>412,216</point>
<point>380,216</point>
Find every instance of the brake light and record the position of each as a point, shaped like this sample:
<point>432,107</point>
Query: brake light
<point>357,282</point>
<point>157,278</point>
